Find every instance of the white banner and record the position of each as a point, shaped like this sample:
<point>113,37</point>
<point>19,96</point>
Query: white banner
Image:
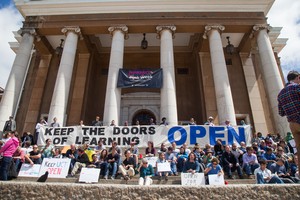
<point>57,167</point>
<point>28,170</point>
<point>142,134</point>
<point>152,160</point>
<point>195,179</point>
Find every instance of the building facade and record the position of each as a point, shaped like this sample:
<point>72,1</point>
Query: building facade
<point>69,53</point>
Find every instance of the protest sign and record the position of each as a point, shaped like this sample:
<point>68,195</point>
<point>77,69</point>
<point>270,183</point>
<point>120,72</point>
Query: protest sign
<point>28,170</point>
<point>151,161</point>
<point>89,175</point>
<point>163,167</point>
<point>195,179</point>
<point>215,179</point>
<point>57,167</point>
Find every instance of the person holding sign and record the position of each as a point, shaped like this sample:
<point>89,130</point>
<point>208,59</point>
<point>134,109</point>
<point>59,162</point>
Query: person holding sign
<point>161,159</point>
<point>146,172</point>
<point>191,165</point>
<point>112,160</point>
<point>214,168</point>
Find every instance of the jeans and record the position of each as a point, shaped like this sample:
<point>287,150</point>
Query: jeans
<point>18,164</point>
<point>173,167</point>
<point>274,179</point>
<point>180,164</point>
<point>228,170</point>
<point>112,166</point>
<point>103,168</point>
<point>4,167</point>
<point>249,169</point>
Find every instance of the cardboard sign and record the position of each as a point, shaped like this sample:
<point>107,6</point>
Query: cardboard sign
<point>28,170</point>
<point>195,179</point>
<point>163,167</point>
<point>152,161</point>
<point>89,175</point>
<point>216,180</point>
<point>293,144</point>
<point>57,167</point>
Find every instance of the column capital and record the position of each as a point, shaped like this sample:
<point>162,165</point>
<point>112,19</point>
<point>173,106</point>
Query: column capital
<point>160,28</point>
<point>259,27</point>
<point>208,28</point>
<point>122,28</point>
<point>30,31</point>
<point>74,29</point>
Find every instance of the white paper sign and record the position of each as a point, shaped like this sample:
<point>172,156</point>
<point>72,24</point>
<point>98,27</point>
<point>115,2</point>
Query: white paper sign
<point>57,167</point>
<point>163,167</point>
<point>293,144</point>
<point>195,179</point>
<point>216,180</point>
<point>152,161</point>
<point>28,170</point>
<point>89,175</point>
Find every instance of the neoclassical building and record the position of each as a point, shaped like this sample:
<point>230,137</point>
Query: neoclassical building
<point>218,58</point>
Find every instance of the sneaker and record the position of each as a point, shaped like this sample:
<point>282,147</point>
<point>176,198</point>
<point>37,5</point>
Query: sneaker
<point>112,178</point>
<point>105,177</point>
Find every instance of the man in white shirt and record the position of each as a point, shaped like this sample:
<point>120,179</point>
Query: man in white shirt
<point>265,176</point>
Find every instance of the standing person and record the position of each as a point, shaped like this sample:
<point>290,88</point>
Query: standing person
<point>97,122</point>
<point>289,106</point>
<point>38,127</point>
<point>164,121</point>
<point>55,124</point>
<point>7,151</point>
<point>210,121</point>
<point>192,122</point>
<point>10,125</point>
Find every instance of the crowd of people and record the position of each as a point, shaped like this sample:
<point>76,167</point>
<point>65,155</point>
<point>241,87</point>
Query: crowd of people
<point>270,159</point>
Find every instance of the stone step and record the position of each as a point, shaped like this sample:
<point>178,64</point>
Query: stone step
<point>172,180</point>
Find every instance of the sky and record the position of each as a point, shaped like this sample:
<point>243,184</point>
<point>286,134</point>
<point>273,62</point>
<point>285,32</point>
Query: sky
<point>284,13</point>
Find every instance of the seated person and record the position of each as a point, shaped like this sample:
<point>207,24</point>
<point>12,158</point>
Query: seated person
<point>171,158</point>
<point>73,155</point>
<point>35,157</point>
<point>191,165</point>
<point>57,153</point>
<point>230,163</point>
<point>213,168</point>
<point>128,166</point>
<point>263,175</point>
<point>112,163</point>
<point>282,173</point>
<point>163,148</point>
<point>181,159</point>
<point>161,159</point>
<point>134,151</point>
<point>146,172</point>
<point>81,161</point>
<point>250,162</point>
<point>269,157</point>
<point>95,162</point>
<point>19,158</point>
<point>48,150</point>
<point>99,147</point>
<point>150,150</point>
<point>103,162</point>
<point>207,157</point>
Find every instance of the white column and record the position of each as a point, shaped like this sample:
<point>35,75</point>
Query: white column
<point>63,80</point>
<point>168,105</point>
<point>113,94</point>
<point>17,75</point>
<point>222,86</point>
<point>271,75</point>
<point>259,120</point>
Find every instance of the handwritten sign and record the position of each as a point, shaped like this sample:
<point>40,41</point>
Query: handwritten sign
<point>216,180</point>
<point>152,161</point>
<point>57,167</point>
<point>163,167</point>
<point>28,170</point>
<point>89,175</point>
<point>195,179</point>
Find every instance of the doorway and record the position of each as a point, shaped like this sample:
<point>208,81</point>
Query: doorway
<point>143,116</point>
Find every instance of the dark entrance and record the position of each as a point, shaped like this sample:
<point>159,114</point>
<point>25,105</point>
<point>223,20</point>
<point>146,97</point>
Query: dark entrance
<point>143,116</point>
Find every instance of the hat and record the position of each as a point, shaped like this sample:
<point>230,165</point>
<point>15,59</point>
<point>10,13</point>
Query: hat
<point>210,117</point>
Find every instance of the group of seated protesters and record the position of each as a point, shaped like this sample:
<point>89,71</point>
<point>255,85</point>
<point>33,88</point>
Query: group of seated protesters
<point>264,160</point>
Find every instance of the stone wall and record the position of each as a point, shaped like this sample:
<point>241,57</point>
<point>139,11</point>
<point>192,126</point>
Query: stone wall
<point>26,190</point>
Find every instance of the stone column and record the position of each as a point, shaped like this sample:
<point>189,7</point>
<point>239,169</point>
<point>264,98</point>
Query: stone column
<point>271,75</point>
<point>17,75</point>
<point>222,86</point>
<point>168,105</point>
<point>63,80</point>
<point>113,94</point>
<point>259,120</point>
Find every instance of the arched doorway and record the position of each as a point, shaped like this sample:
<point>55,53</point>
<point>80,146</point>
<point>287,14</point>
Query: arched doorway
<point>143,116</point>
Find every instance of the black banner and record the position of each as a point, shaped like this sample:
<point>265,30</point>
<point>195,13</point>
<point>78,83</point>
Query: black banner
<point>142,78</point>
